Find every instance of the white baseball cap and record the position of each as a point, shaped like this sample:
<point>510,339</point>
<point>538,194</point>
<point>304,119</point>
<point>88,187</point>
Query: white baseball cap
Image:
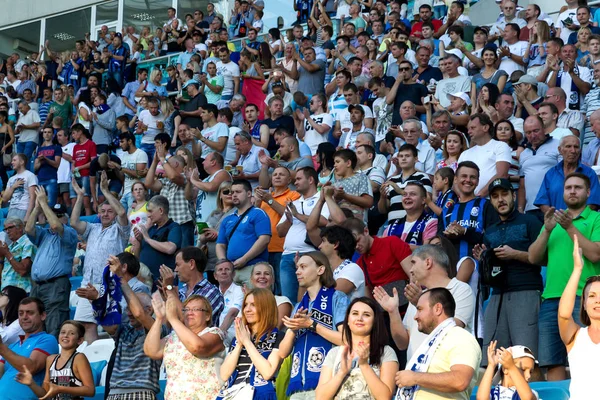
<point>461,95</point>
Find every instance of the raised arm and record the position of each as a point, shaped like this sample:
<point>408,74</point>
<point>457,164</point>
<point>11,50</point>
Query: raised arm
<point>78,225</point>
<point>154,346</point>
<point>113,201</point>
<point>567,326</point>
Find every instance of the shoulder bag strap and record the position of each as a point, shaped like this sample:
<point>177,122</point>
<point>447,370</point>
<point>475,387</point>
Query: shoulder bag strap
<point>238,223</point>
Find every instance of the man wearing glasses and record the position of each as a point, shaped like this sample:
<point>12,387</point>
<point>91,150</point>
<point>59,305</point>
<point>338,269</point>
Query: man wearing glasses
<point>17,257</point>
<point>570,119</point>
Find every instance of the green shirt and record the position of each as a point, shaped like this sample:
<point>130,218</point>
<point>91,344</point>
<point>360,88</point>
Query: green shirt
<point>560,254</point>
<point>64,111</point>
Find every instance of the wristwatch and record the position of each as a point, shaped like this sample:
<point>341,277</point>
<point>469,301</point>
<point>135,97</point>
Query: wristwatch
<point>169,287</point>
<point>313,326</point>
<point>270,202</point>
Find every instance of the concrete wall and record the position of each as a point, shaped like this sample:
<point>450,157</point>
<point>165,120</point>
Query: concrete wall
<point>26,10</point>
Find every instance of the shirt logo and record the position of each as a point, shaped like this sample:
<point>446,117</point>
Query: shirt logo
<point>496,271</point>
<point>475,211</point>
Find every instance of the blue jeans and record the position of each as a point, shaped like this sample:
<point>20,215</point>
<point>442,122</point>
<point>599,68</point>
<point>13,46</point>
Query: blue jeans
<point>51,187</point>
<point>27,148</point>
<point>127,201</point>
<point>552,351</point>
<point>275,261</point>
<point>84,183</point>
<point>287,277</point>
<point>149,149</point>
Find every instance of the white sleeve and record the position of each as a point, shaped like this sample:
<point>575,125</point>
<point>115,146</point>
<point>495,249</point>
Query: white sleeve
<point>327,120</point>
<point>368,112</point>
<point>503,153</point>
<point>354,274</point>
<point>465,304</point>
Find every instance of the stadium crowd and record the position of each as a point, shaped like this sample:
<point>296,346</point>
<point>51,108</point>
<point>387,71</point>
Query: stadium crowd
<point>407,209</point>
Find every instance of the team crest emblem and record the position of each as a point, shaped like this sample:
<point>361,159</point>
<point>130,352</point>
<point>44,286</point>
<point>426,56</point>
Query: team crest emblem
<point>316,357</point>
<point>475,211</point>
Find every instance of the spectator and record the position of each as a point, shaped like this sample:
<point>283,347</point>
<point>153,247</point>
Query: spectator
<point>151,122</point>
<point>551,193</point>
<point>249,158</point>
<point>53,261</point>
<point>522,281</point>
<point>277,119</point>
<point>20,189</point>
<point>157,244</point>
<point>377,364</point>
<point>412,131</point>
<point>312,332</point>
<point>464,222</point>
<point>10,328</point>
<point>553,246</point>
<point>193,337</point>
<point>231,74</point>
<point>429,269</point>
<point>130,89</point>
<point>405,89</point>
<point>215,134</point>
<point>534,164</point>
<point>103,124</point>
<point>455,351</point>
<point>480,128</point>
<point>119,54</point>
<point>84,152</point>
<point>315,128</point>
<point>46,165</point>
<point>233,298</point>
<point>338,245</point>
<point>29,353</point>
<point>570,77</point>
<point>310,72</point>
<point>134,164</point>
<point>549,115</point>
<point>206,199</point>
<point>61,107</point>
<point>504,108</point>
<point>453,83</point>
<point>172,186</point>
<point>17,254</point>
<point>256,347</point>
<point>103,239</point>
<point>591,104</point>
<point>27,130</point>
<point>569,119</point>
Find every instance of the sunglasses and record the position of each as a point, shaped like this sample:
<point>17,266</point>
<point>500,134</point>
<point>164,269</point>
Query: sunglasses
<point>226,192</point>
<point>404,69</point>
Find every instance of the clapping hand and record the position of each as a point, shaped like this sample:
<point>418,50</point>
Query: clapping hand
<point>40,195</point>
<point>491,355</point>
<point>412,292</point>
<point>300,320</point>
<point>158,304</point>
<point>389,304</point>
<point>76,188</point>
<point>478,249</point>
<point>25,377</point>
<point>242,334</point>
<point>104,182</point>
<point>89,292</point>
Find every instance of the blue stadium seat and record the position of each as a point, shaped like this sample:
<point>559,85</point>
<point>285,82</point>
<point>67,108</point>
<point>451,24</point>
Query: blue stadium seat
<point>557,390</point>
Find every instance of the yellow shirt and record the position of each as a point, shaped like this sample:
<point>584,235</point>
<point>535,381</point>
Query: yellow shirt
<point>457,347</point>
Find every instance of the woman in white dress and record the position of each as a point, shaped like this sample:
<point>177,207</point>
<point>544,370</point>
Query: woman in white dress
<point>583,343</point>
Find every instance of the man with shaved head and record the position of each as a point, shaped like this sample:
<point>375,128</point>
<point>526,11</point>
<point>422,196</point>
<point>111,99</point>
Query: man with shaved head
<point>570,119</point>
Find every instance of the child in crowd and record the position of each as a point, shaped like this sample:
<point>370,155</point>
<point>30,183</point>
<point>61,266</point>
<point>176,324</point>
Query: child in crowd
<point>442,185</point>
<point>68,374</point>
<point>517,364</point>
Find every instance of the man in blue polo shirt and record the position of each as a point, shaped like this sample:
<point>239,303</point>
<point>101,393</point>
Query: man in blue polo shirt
<point>53,261</point>
<point>244,235</point>
<point>31,351</point>
<point>552,189</point>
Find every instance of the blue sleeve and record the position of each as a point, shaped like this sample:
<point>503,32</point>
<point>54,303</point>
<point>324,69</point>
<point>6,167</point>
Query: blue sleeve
<point>305,150</point>
<point>262,224</point>
<point>163,91</point>
<point>595,187</point>
<point>57,151</point>
<point>39,235</point>
<point>69,237</point>
<point>175,235</point>
<point>47,344</point>
<point>542,198</point>
<point>222,238</point>
<point>340,304</point>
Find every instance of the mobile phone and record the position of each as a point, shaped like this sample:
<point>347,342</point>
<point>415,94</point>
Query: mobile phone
<point>427,99</point>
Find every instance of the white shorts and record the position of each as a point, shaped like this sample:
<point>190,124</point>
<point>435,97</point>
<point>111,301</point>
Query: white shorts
<point>84,311</point>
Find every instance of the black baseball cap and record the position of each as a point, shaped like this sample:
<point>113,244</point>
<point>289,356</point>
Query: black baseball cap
<point>501,183</point>
<point>59,209</point>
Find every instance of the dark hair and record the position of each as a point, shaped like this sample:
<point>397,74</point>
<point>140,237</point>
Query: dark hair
<point>552,107</point>
<point>244,182</point>
<point>460,5</point>
<point>428,24</point>
<point>343,238</point>
<point>512,143</point>
<point>450,250</point>
<point>484,119</point>
<point>78,325</point>
<point>40,304</point>
<point>227,113</point>
<point>515,27</point>
<point>446,173</point>
<point>275,33</point>
<point>368,149</point>
<point>468,164</point>
<point>443,297</point>
<point>15,295</point>
<point>211,108</point>
<point>343,38</point>
<point>427,6</point>
<point>309,172</point>
<point>133,264</point>
<point>350,86</point>
<point>194,253</point>
<point>378,335</point>
<point>325,152</point>
<point>347,155</point>
<point>127,136</point>
<point>458,30</point>
<point>164,138</point>
<point>328,29</point>
<point>346,73</point>
<point>409,147</point>
<point>583,314</point>
<point>580,176</point>
<point>493,91</point>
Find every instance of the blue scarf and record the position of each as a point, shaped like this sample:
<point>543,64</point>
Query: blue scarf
<point>107,307</point>
<point>310,348</point>
<point>495,394</point>
<point>573,100</point>
<point>263,390</point>
<point>415,234</point>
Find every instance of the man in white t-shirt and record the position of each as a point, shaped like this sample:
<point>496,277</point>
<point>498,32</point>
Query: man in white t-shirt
<point>27,129</point>
<point>231,74</point>
<point>20,190</point>
<point>342,116</point>
<point>574,79</point>
<point>216,134</point>
<point>429,268</point>
<point>226,117</point>
<point>313,129</point>
<point>64,169</point>
<point>338,245</point>
<point>509,11</point>
<point>134,166</point>
<point>293,228</point>
<point>566,22</point>
<point>512,50</point>
<point>548,112</point>
<point>151,123</point>
<point>492,156</point>
<point>453,83</point>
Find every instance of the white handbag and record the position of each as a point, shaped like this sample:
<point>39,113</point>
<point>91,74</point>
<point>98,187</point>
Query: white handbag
<point>241,391</point>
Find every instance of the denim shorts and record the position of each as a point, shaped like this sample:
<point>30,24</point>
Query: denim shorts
<point>551,349</point>
<point>84,183</point>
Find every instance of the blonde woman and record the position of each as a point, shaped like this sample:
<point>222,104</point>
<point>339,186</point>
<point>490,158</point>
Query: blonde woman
<point>263,277</point>
<point>535,55</point>
<point>152,87</point>
<point>209,235</point>
<point>172,119</point>
<point>287,65</point>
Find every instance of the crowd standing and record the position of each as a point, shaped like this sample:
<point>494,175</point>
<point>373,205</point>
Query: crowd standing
<point>399,210</point>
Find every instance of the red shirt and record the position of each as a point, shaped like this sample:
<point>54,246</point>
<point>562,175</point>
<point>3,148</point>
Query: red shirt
<point>417,27</point>
<point>83,154</point>
<point>383,261</point>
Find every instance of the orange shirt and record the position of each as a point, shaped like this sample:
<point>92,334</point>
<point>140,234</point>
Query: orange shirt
<point>276,243</point>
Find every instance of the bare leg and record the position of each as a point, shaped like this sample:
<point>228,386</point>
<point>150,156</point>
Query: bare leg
<point>557,373</point>
<point>91,332</point>
<point>87,205</point>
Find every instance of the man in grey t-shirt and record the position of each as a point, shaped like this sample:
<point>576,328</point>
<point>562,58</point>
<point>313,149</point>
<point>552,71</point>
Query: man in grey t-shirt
<point>311,72</point>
